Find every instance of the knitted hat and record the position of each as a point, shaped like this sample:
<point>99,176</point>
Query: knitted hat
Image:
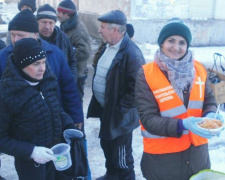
<point>116,17</point>
<point>67,6</point>
<point>24,21</point>
<point>30,3</point>
<point>175,27</point>
<point>46,12</point>
<point>130,30</point>
<point>26,51</point>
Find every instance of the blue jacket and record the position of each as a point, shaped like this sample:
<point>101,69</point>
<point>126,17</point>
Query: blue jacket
<point>68,93</point>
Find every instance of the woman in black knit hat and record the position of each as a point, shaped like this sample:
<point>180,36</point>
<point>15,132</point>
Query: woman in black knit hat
<point>31,119</point>
<point>172,95</point>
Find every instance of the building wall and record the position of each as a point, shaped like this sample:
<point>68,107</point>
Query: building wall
<point>103,6</point>
<point>158,9</point>
<point>185,9</point>
<point>204,33</point>
<point>219,9</point>
<point>53,3</point>
<point>206,18</point>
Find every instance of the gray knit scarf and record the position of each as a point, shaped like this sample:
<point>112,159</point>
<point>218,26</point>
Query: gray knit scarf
<point>181,72</point>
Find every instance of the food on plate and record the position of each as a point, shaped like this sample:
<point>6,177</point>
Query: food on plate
<point>211,124</point>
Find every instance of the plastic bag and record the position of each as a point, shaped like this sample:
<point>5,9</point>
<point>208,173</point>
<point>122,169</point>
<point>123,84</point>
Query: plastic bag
<point>208,174</point>
<point>79,169</point>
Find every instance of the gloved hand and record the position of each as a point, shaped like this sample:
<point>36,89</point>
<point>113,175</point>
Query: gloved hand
<point>212,116</point>
<point>190,124</point>
<point>42,155</point>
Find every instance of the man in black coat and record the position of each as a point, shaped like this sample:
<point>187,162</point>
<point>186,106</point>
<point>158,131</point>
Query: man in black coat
<point>113,95</point>
<point>46,17</point>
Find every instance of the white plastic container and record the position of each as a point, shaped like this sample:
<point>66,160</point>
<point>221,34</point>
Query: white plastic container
<point>62,153</point>
<point>213,131</point>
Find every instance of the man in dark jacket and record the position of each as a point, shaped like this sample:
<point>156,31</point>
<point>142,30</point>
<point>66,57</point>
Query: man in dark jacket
<point>79,38</point>
<point>113,95</point>
<point>46,17</point>
<point>24,25</point>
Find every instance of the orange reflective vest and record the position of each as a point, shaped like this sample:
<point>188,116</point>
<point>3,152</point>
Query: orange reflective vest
<point>170,105</point>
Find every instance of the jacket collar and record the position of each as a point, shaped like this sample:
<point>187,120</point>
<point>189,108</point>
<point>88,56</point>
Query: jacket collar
<point>46,46</point>
<point>69,24</point>
<point>120,54</point>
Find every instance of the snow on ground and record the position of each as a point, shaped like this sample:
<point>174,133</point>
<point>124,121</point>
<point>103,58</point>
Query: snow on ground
<point>95,153</point>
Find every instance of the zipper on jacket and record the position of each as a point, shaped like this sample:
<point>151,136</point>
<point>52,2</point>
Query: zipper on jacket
<point>42,95</point>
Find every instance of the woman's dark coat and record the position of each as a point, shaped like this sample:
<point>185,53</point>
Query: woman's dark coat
<point>68,93</point>
<point>29,117</point>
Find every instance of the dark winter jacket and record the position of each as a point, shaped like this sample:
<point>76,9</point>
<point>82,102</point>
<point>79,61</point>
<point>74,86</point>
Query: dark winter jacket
<point>29,117</point>
<point>68,93</point>
<point>79,38</point>
<point>61,40</point>
<point>119,116</point>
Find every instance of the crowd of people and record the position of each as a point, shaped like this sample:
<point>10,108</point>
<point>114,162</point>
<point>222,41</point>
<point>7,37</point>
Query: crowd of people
<point>43,69</point>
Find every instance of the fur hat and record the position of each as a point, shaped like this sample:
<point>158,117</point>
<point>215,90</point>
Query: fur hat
<point>67,6</point>
<point>26,51</point>
<point>24,21</point>
<point>30,3</point>
<point>46,12</point>
<point>116,17</point>
<point>175,27</point>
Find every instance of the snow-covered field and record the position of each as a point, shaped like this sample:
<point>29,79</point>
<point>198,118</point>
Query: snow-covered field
<point>95,154</point>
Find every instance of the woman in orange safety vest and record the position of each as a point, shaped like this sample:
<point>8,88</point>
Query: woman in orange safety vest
<point>172,94</point>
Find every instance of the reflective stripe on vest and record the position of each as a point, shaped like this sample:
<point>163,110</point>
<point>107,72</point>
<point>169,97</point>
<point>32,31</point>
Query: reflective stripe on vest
<point>170,105</point>
<point>149,135</point>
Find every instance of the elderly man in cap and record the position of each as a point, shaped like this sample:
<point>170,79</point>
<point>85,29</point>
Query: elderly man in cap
<point>22,5</point>
<point>24,25</point>
<point>79,38</point>
<point>113,95</point>
<point>46,17</point>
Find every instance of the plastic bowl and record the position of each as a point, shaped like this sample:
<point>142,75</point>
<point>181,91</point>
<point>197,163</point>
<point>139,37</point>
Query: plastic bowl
<point>211,125</point>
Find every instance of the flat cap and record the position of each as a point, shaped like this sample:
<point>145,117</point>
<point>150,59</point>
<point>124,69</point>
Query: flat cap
<point>116,17</point>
